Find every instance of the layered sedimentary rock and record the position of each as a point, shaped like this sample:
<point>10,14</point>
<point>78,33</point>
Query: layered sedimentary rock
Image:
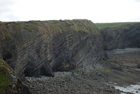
<point>40,48</point>
<point>121,37</point>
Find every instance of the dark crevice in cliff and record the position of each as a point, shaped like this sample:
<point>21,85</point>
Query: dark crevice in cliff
<point>7,56</point>
<point>45,72</point>
<point>49,72</point>
<point>42,71</point>
<point>38,73</point>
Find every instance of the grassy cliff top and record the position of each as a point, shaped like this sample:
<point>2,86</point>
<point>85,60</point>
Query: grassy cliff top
<point>105,25</point>
<point>76,24</point>
<point>26,31</point>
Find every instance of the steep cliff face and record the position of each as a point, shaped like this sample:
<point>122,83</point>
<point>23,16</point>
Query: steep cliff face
<point>40,48</point>
<point>121,37</point>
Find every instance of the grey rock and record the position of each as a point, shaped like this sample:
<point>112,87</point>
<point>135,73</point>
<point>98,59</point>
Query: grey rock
<point>121,37</point>
<point>138,65</point>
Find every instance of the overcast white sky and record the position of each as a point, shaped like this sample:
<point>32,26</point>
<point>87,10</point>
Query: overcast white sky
<point>95,10</point>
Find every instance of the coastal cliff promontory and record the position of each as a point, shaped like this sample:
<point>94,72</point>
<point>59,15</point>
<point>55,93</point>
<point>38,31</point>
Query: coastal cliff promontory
<point>38,48</point>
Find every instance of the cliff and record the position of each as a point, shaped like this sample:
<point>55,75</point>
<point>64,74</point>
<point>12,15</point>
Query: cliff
<point>38,48</point>
<point>121,36</point>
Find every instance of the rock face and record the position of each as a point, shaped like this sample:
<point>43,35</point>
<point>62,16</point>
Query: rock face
<point>121,37</point>
<point>40,48</point>
<point>138,65</point>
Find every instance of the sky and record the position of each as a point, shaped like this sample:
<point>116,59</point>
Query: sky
<point>98,11</point>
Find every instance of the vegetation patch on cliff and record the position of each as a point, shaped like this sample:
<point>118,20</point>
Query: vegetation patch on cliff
<point>30,27</point>
<point>82,25</point>
<point>4,34</point>
<point>4,80</point>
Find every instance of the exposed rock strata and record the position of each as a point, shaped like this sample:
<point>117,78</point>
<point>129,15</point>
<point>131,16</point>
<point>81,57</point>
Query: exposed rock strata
<point>41,48</point>
<point>121,37</point>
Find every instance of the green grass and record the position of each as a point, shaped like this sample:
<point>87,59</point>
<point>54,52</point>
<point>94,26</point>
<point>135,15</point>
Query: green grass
<point>56,27</point>
<point>52,21</point>
<point>82,25</point>
<point>17,28</point>
<point>104,25</point>
<point>4,81</point>
<point>4,33</point>
<point>79,27</point>
<point>30,27</point>
<point>107,70</point>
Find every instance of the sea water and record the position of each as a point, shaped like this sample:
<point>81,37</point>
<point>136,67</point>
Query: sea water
<point>132,89</point>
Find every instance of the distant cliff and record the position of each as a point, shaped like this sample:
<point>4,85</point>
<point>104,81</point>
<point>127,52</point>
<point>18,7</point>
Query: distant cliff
<point>38,48</point>
<point>121,37</point>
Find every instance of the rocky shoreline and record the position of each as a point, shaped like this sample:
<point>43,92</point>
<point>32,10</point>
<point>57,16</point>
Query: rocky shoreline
<point>99,80</point>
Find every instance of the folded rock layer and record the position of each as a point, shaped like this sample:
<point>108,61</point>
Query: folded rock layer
<point>38,48</point>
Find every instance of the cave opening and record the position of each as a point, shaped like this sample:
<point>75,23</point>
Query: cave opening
<point>7,56</point>
<point>42,71</point>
